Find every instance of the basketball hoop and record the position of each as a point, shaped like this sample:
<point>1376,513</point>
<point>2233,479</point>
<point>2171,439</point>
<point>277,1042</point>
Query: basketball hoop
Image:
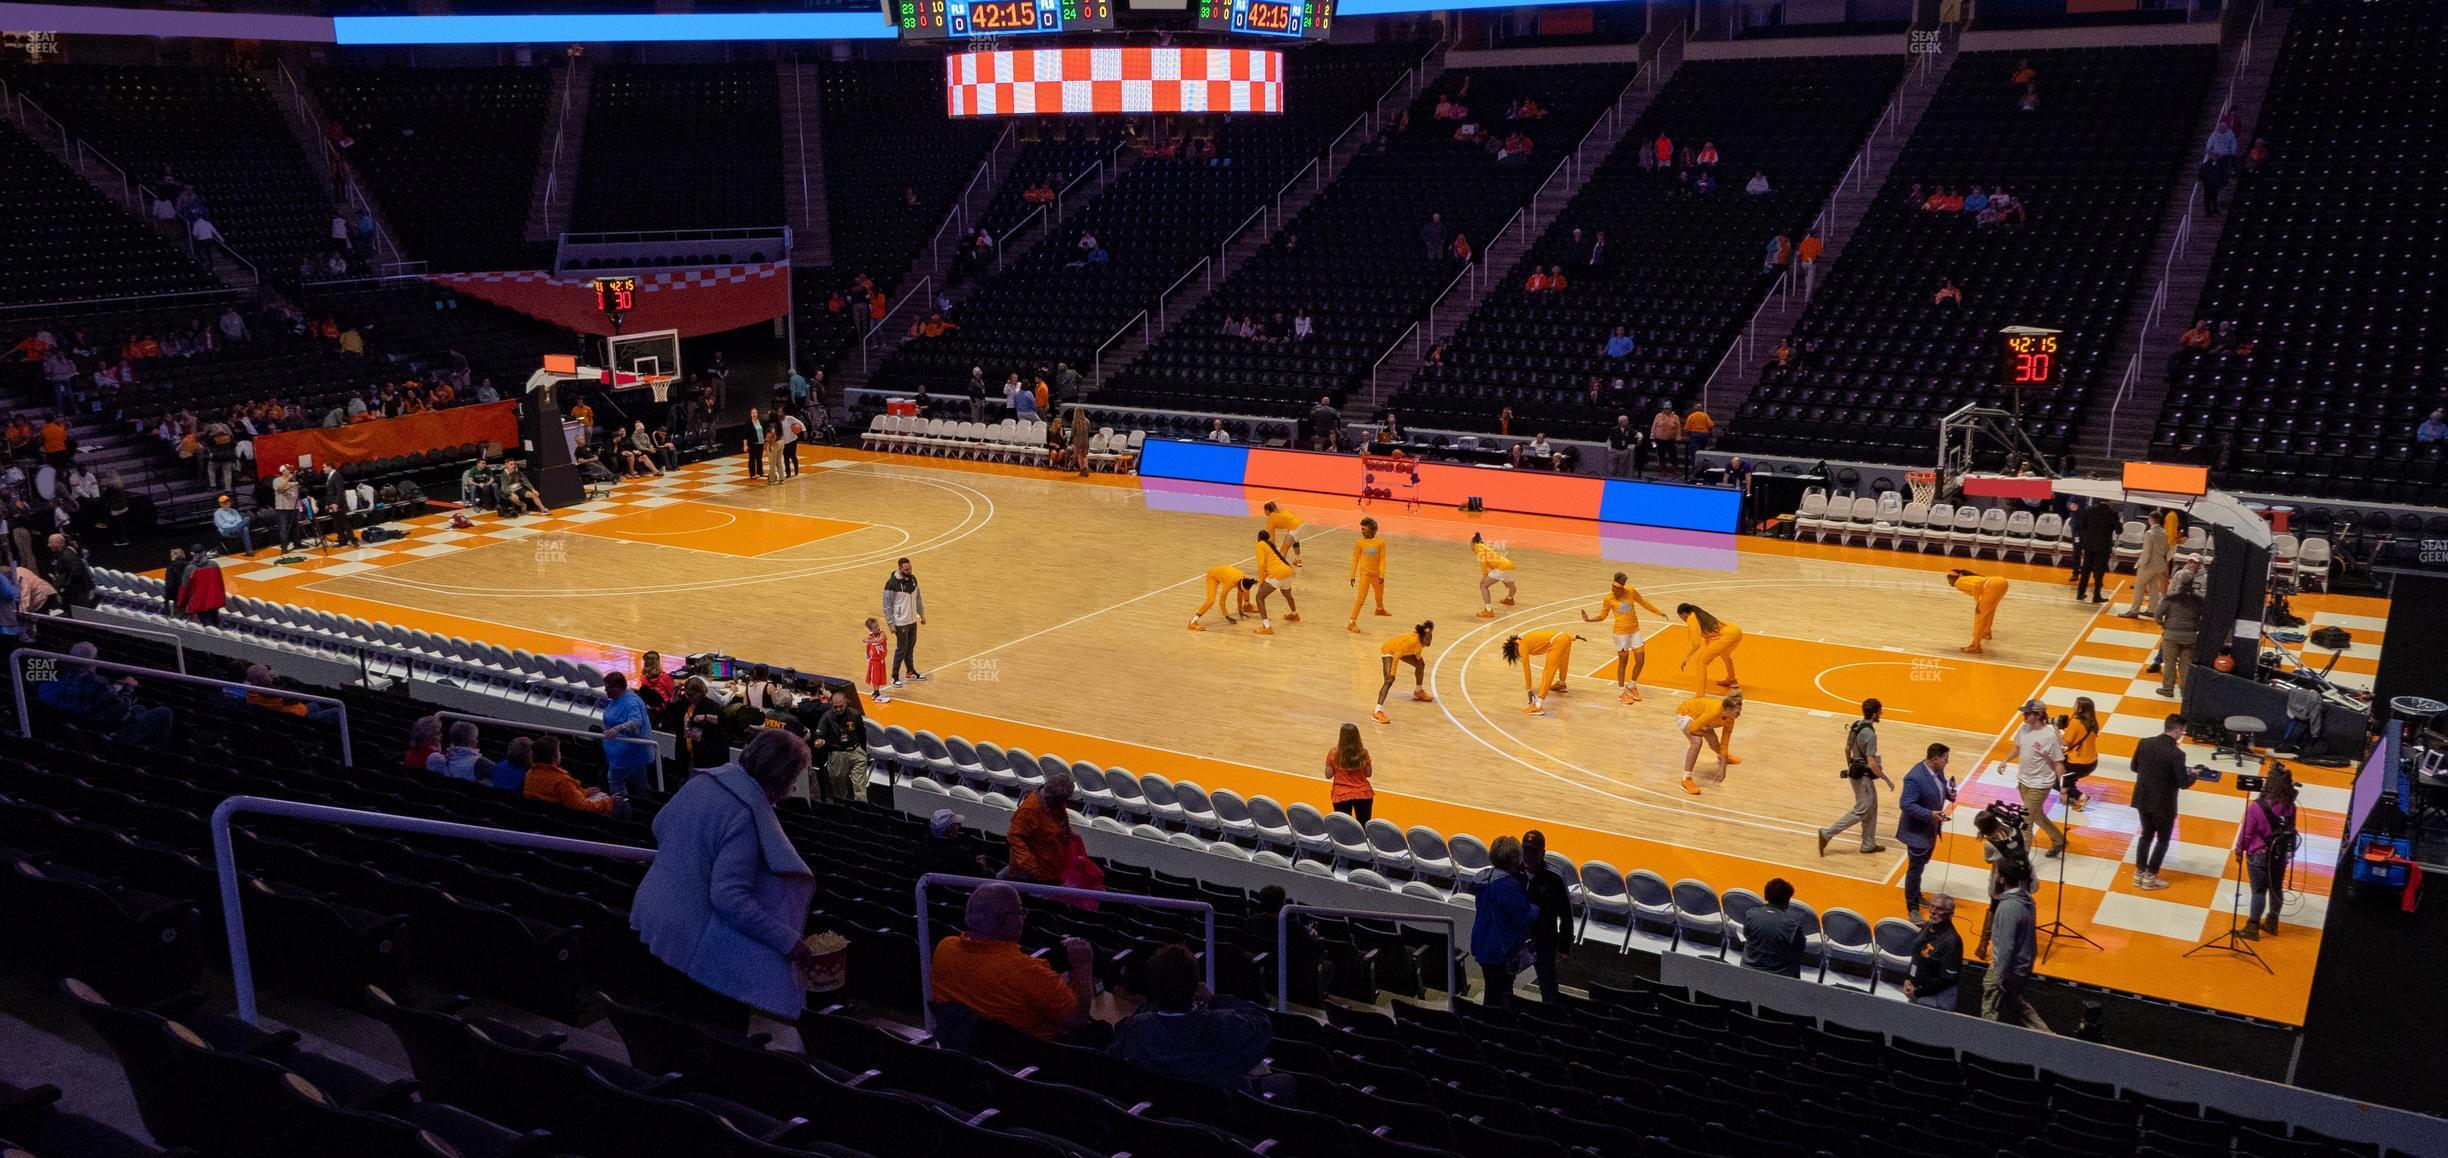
<point>1924,484</point>
<point>660,385</point>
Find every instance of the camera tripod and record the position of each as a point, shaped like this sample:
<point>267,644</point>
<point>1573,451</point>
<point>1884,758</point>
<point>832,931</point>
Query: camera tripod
<point>2232,941</point>
<point>2056,926</point>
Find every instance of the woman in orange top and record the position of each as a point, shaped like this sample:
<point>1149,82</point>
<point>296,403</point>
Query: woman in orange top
<point>1410,647</point>
<point>2081,738</point>
<point>1347,764</point>
<point>1713,639</point>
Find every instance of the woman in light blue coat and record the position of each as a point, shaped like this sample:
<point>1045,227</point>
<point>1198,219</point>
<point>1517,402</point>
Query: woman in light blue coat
<point>727,898</point>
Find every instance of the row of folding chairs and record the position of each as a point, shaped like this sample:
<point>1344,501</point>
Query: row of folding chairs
<point>1924,527</point>
<point>1010,440</point>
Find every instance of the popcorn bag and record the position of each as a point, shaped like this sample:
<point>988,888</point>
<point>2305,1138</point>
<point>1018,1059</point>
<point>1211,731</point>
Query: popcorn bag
<point>828,967</point>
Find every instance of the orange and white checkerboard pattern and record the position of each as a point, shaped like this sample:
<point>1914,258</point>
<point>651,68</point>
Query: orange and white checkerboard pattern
<point>1147,79</point>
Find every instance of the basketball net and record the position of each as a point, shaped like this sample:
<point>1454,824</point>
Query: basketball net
<point>1924,485</point>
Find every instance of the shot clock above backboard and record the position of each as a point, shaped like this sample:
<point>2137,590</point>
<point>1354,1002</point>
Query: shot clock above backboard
<point>2031,359</point>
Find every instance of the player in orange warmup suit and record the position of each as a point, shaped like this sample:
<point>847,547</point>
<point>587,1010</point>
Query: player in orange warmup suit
<point>1987,591</point>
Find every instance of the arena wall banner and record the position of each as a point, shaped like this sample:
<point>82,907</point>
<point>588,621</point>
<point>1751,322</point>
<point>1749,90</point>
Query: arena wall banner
<point>388,437</point>
<point>1644,504</point>
<point>692,301</point>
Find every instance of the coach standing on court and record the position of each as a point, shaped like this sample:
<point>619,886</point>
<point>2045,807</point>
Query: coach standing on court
<point>2095,536</point>
<point>905,613</point>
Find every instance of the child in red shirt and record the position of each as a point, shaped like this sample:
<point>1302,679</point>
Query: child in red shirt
<point>875,660</point>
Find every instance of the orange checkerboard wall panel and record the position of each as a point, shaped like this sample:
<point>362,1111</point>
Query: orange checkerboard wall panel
<point>1095,81</point>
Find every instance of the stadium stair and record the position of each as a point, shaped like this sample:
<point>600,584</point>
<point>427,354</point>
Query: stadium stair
<point>1396,372</point>
<point>1248,244</point>
<point>304,116</point>
<point>803,163</point>
<point>1731,382</point>
<point>2153,321</point>
<point>556,180</point>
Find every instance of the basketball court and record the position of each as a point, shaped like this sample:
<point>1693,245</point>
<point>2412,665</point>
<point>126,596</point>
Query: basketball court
<point>1056,611</point>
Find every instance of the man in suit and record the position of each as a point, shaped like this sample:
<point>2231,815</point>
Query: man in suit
<point>2159,774</point>
<point>2095,535</point>
<point>1926,801</point>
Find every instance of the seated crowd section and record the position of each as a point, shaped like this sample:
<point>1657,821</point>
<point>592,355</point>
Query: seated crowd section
<point>1057,301</point>
<point>1358,262</point>
<point>694,146</point>
<point>2089,151</point>
<point>449,153</point>
<point>214,129</point>
<point>1679,269</point>
<point>60,240</point>
<point>2316,365</point>
<point>107,856</point>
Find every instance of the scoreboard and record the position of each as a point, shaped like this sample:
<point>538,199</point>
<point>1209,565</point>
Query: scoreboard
<point>2031,358</point>
<point>1299,19</point>
<point>960,19</point>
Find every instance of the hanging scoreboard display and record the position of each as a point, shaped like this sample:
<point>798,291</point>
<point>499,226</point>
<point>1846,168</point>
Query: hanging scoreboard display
<point>1299,19</point>
<point>962,19</point>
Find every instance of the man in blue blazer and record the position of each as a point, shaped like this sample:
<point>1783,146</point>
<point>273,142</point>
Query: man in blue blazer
<point>1927,799</point>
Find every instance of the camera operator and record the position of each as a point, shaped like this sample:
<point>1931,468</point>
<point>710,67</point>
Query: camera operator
<point>2016,921</point>
<point>2159,774</point>
<point>2003,841</point>
<point>1862,765</point>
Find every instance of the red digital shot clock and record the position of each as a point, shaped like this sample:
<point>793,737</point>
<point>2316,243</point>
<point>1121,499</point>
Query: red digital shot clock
<point>2031,358</point>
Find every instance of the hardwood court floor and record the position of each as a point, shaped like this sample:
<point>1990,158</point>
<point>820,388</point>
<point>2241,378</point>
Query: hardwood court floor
<point>1056,622</point>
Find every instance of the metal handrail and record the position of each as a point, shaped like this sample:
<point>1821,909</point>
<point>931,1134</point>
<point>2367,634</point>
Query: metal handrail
<point>1407,77</point>
<point>1202,264</point>
<point>1287,187</point>
<point>1283,944</point>
<point>67,140</point>
<point>1558,171</point>
<point>126,186</point>
<point>1097,365</point>
<point>2116,408</point>
<point>1337,142</point>
<point>798,71</point>
<point>1096,167</point>
<point>926,937</point>
<point>957,216</point>
<point>1419,68</point>
<point>926,284</point>
<point>1238,230</point>
<point>225,861</point>
<point>1487,256</point>
<point>1449,288</point>
<point>1003,243</point>
<point>1741,342</point>
<point>178,645</point>
<point>552,175</point>
<point>555,729</point>
<point>1410,333</point>
<point>25,722</point>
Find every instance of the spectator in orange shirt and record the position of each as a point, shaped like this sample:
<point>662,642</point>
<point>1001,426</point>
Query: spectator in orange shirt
<point>549,782</point>
<point>987,973</point>
<point>1697,426</point>
<point>1808,253</point>
<point>1040,833</point>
